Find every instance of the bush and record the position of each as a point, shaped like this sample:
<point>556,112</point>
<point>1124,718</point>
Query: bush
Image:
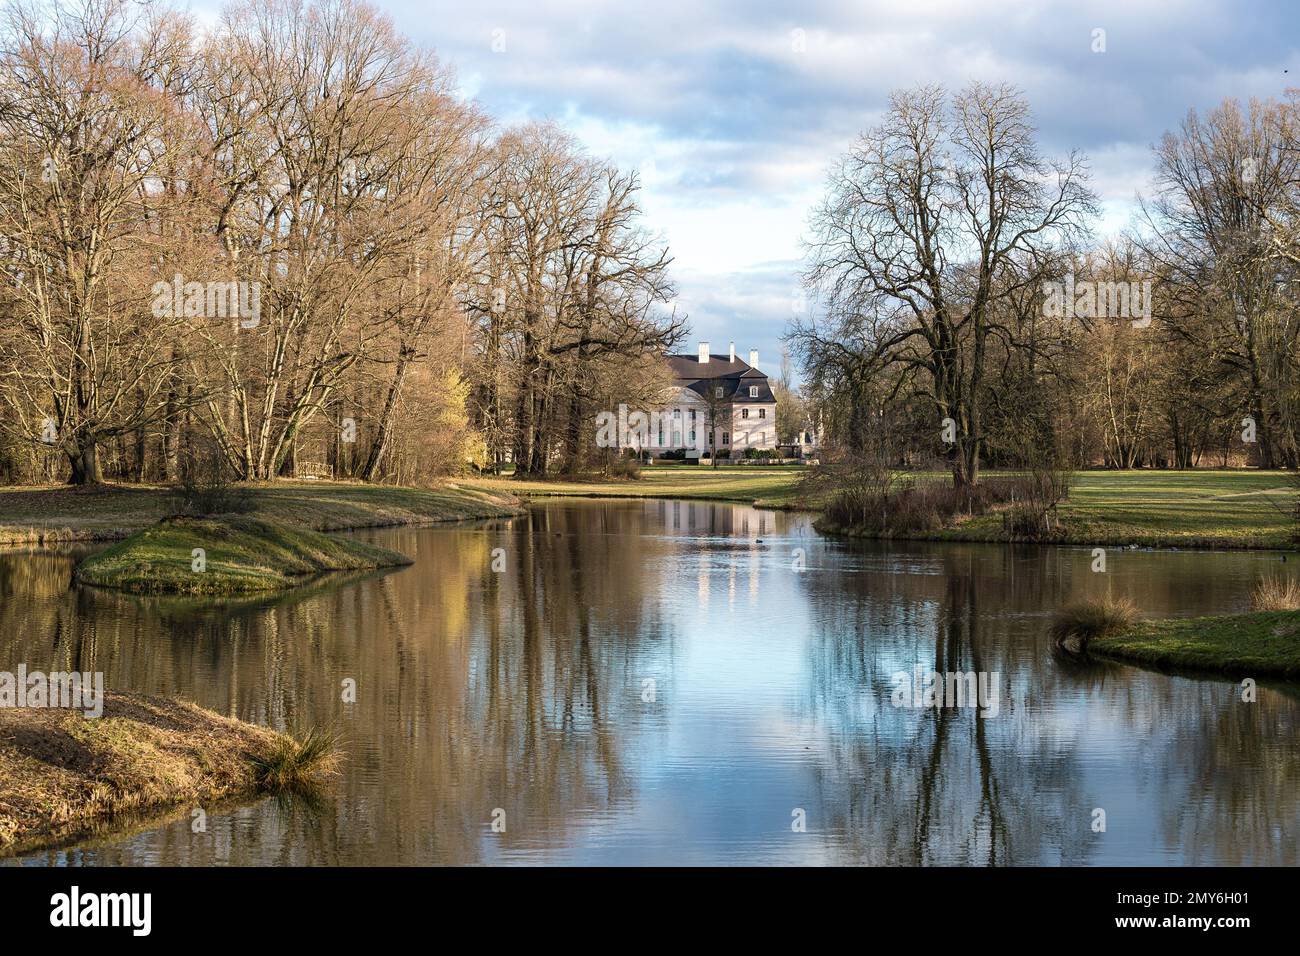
<point>871,498</point>
<point>205,488</point>
<point>877,502</point>
<point>1077,624</point>
<point>1276,593</point>
<point>622,466</point>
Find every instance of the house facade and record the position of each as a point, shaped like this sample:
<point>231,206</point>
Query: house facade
<point>716,404</point>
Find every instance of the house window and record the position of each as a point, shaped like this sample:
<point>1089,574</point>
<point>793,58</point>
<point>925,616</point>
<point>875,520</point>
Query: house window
<point>744,413</point>
<point>718,391</point>
<point>692,414</point>
<point>692,437</point>
<point>753,391</point>
<point>762,413</point>
<point>677,413</point>
<point>725,438</point>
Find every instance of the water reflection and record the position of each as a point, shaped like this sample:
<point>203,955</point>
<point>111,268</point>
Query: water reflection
<point>659,682</point>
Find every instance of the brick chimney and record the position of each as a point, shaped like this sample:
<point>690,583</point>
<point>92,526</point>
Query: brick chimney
<point>704,353</point>
<point>753,357</point>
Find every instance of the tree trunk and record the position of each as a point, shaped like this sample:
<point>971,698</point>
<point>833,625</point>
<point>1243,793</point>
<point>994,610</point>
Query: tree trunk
<point>379,446</point>
<point>85,464</point>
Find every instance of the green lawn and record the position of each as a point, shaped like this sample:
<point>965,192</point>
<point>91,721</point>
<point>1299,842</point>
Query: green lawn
<point>1247,509</point>
<point>770,486</point>
<point>35,515</point>
<point>1261,644</point>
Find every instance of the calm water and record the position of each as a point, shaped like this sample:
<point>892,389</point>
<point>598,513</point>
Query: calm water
<point>529,692</point>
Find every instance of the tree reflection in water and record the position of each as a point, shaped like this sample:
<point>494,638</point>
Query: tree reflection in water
<point>523,691</point>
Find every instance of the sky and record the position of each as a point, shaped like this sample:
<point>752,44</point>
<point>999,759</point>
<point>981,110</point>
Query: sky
<point>733,112</point>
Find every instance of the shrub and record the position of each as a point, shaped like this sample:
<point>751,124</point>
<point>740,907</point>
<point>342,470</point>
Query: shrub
<point>622,466</point>
<point>205,489</point>
<point>1076,625</point>
<point>873,499</point>
<point>1034,499</point>
<point>1276,593</point>
<point>876,501</point>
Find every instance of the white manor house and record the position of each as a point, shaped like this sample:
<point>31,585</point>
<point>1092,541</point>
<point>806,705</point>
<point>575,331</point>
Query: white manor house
<point>723,390</point>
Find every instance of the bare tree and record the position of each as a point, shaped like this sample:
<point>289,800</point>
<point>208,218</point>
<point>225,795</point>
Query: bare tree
<point>1216,224</point>
<point>88,130</point>
<point>930,223</point>
<point>316,155</point>
<point>568,278</point>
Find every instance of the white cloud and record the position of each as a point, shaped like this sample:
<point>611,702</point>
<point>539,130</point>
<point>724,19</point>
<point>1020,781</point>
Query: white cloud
<point>733,128</point>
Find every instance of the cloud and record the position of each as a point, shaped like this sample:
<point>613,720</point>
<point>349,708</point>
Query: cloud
<point>734,112</point>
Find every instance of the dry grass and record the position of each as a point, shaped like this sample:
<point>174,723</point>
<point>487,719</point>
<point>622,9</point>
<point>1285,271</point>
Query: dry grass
<point>62,776</point>
<point>1276,593</point>
<point>297,762</point>
<point>1076,625</point>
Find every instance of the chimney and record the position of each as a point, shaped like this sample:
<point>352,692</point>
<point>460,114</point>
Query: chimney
<point>733,351</point>
<point>753,357</point>
<point>704,353</point>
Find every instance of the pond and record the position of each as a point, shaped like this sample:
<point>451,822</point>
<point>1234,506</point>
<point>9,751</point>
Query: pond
<point>674,682</point>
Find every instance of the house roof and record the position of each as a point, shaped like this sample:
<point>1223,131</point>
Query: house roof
<point>735,377</point>
<point>718,366</point>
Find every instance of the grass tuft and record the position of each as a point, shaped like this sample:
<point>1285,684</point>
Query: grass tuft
<point>1076,625</point>
<point>1276,593</point>
<point>298,762</point>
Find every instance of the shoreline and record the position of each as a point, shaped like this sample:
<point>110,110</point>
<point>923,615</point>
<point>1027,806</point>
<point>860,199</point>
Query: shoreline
<point>1120,541</point>
<point>64,777</point>
<point>1255,644</point>
<point>73,516</point>
<point>110,513</point>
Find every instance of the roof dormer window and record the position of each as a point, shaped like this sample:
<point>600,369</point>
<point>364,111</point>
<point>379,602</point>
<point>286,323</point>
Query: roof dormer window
<point>753,391</point>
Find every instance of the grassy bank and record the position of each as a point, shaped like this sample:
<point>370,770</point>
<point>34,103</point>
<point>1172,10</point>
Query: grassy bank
<point>47,515</point>
<point>769,487</point>
<point>63,776</point>
<point>240,554</point>
<point>1259,644</point>
<point>1182,509</point>
<point>1188,509</point>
